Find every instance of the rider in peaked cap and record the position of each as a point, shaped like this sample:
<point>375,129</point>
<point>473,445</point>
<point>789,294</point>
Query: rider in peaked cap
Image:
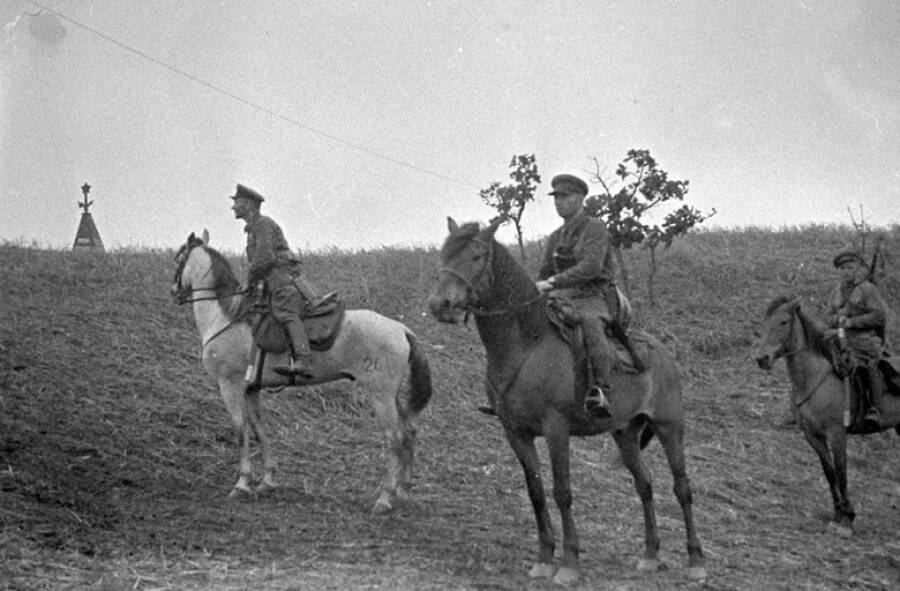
<point>846,256</point>
<point>247,193</point>
<point>568,184</point>
<point>856,307</point>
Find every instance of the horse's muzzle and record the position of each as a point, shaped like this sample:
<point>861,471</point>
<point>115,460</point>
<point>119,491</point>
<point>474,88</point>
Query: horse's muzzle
<point>444,311</point>
<point>764,361</point>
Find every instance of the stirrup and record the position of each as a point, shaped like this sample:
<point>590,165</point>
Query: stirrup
<point>296,368</point>
<point>596,402</point>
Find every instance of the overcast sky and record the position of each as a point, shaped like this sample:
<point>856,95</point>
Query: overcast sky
<point>367,123</point>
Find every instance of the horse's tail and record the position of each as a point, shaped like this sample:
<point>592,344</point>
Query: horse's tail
<point>419,375</point>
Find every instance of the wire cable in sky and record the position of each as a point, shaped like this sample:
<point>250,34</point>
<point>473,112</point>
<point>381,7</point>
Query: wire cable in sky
<point>252,104</point>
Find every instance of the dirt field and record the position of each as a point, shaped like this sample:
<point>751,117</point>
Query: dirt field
<point>116,456</point>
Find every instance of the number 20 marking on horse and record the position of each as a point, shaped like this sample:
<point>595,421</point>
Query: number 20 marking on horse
<point>373,363</point>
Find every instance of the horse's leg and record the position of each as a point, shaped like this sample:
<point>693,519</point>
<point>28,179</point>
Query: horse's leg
<point>406,452</point>
<point>627,441</point>
<point>556,432</point>
<point>844,513</point>
<point>254,418</point>
<point>398,445</point>
<point>231,388</point>
<point>819,443</point>
<point>671,437</point>
<point>242,486</point>
<point>523,447</point>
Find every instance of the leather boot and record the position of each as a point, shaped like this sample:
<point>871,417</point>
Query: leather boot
<point>872,420</point>
<point>595,400</point>
<point>301,357</point>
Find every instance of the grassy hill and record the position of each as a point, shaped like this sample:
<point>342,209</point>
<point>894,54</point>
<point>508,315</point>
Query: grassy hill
<point>116,456</point>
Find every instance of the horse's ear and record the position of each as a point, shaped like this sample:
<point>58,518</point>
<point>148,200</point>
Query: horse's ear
<point>495,223</point>
<point>191,238</point>
<point>794,304</point>
<point>205,236</point>
<point>452,225</point>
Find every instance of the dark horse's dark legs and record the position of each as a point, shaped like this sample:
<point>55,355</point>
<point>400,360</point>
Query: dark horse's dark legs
<point>523,447</point>
<point>835,472</point>
<point>556,432</point>
<point>629,447</point>
<point>671,437</point>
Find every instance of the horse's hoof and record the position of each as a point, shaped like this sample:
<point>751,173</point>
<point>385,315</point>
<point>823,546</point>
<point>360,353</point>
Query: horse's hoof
<point>566,576</point>
<point>841,530</point>
<point>382,507</point>
<point>239,493</point>
<point>696,573</point>
<point>649,565</point>
<point>265,489</point>
<point>541,570</point>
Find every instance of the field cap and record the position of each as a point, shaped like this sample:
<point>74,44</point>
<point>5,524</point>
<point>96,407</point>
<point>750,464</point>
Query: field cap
<point>568,184</point>
<point>847,256</point>
<point>248,193</point>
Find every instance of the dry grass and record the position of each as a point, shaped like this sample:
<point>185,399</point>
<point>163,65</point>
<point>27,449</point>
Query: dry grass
<point>116,458</point>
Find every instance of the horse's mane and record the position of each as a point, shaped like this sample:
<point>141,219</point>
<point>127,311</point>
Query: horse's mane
<point>812,328</point>
<point>226,285</point>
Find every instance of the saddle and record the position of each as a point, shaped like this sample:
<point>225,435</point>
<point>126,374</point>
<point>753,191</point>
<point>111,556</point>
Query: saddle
<point>567,322</point>
<point>322,320</point>
<point>860,395</point>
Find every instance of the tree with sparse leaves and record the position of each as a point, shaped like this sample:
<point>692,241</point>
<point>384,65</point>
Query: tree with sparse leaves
<point>510,200</point>
<point>638,186</point>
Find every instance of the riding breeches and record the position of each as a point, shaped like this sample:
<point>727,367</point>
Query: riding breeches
<point>594,318</point>
<point>286,300</point>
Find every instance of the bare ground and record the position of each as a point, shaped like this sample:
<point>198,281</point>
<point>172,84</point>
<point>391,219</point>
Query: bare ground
<point>116,461</point>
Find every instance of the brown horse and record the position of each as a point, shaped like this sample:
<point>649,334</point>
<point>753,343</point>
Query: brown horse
<point>818,395</point>
<point>534,388</point>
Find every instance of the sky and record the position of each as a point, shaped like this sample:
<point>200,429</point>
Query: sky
<point>366,124</point>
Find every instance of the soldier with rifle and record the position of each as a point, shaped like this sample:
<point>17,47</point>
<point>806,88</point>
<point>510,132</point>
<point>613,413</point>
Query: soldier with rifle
<point>857,316</point>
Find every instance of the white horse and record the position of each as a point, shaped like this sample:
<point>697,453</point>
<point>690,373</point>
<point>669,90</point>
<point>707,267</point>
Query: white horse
<point>380,354</point>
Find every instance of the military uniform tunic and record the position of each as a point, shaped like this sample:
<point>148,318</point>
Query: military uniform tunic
<point>273,261</point>
<point>580,261</point>
<point>863,307</point>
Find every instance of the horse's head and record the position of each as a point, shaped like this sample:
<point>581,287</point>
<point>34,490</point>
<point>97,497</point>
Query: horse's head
<point>186,268</point>
<point>777,334</point>
<point>466,273</point>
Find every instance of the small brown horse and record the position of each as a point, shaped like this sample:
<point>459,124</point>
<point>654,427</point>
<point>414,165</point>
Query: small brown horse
<point>818,395</point>
<point>534,388</point>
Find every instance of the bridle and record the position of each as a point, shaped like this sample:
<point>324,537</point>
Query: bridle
<point>487,267</point>
<point>782,352</point>
<point>476,278</point>
<point>182,294</point>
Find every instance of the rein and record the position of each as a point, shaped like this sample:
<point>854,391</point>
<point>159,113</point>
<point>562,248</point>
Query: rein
<point>184,296</point>
<point>217,333</point>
